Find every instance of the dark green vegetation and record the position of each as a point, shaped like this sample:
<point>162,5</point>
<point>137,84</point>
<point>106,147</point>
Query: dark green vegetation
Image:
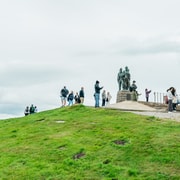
<point>80,142</point>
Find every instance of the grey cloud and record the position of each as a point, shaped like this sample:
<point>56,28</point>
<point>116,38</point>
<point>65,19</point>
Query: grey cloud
<point>135,47</point>
<point>11,108</point>
<point>28,75</point>
<point>131,47</point>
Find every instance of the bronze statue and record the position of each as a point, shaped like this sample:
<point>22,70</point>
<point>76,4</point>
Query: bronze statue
<point>120,78</point>
<point>124,79</point>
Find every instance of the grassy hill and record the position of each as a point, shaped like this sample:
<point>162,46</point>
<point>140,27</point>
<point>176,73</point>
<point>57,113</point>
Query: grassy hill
<point>80,142</point>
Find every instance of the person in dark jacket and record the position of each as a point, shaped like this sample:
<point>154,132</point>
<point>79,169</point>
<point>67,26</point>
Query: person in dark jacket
<point>77,98</point>
<point>31,110</point>
<point>63,94</point>
<point>81,95</point>
<point>70,98</point>
<point>26,111</point>
<point>97,93</point>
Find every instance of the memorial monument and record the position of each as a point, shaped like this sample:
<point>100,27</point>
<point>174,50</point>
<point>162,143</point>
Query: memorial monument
<point>126,91</point>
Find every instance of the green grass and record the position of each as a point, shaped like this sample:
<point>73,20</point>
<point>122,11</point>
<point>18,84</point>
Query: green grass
<point>91,144</point>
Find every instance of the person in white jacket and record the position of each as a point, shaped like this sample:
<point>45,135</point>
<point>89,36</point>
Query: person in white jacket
<point>175,99</point>
<point>108,98</point>
<point>170,97</point>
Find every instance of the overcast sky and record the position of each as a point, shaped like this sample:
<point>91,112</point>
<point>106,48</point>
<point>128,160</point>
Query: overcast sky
<point>46,44</point>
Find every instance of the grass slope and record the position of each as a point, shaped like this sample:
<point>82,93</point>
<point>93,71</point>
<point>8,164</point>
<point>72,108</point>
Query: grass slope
<point>91,144</point>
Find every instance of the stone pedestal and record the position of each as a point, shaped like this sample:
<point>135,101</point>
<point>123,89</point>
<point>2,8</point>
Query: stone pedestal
<point>125,95</point>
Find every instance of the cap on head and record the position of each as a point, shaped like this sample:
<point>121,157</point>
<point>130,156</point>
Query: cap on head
<point>97,81</point>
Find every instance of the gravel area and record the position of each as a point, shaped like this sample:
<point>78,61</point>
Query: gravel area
<point>165,115</point>
<point>139,108</point>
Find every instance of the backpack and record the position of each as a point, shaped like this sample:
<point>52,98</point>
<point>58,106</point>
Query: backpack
<point>31,110</point>
<point>70,97</point>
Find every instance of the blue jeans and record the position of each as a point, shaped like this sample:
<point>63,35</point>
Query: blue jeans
<point>70,102</point>
<point>96,97</point>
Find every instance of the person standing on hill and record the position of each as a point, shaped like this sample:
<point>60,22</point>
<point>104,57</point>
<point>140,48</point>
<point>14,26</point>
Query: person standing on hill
<point>26,111</point>
<point>70,98</point>
<point>81,95</point>
<point>97,93</point>
<point>174,100</point>
<point>31,110</point>
<point>35,109</point>
<point>108,98</point>
<point>147,94</point>
<point>170,97</point>
<point>103,97</point>
<point>77,98</point>
<point>63,94</point>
